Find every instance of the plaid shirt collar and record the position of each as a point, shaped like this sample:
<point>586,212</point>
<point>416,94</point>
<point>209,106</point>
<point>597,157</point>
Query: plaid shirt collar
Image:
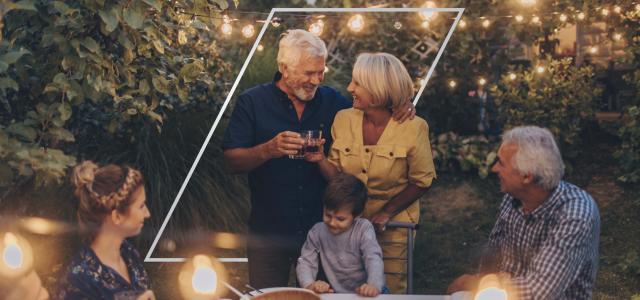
<point>554,200</point>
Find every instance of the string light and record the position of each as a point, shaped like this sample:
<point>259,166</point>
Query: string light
<point>397,25</point>
<point>356,23</point>
<point>593,49</point>
<point>248,31</point>
<point>326,69</point>
<point>540,69</point>
<point>535,20</point>
<point>482,81</point>
<point>528,2</point>
<point>617,9</point>
<point>581,16</point>
<point>462,24</point>
<point>617,36</point>
<point>452,84</point>
<point>486,23</point>
<point>275,22</point>
<point>226,29</point>
<point>563,18</point>
<point>519,18</point>
<point>260,48</point>
<point>512,76</point>
<point>425,24</point>
<point>427,15</point>
<point>317,27</point>
<point>605,12</point>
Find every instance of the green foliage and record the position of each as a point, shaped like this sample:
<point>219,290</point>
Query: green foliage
<point>457,153</point>
<point>561,98</point>
<point>628,154</point>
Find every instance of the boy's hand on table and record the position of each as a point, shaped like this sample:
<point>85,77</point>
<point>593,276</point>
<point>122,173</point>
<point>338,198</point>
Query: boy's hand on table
<point>367,290</point>
<point>320,287</point>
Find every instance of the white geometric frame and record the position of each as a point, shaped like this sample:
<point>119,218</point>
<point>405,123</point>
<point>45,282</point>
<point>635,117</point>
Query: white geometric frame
<point>423,84</point>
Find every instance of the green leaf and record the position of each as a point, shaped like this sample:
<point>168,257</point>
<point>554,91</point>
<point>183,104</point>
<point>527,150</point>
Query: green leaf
<point>222,4</point>
<point>110,18</point>
<point>124,40</point>
<point>161,84</point>
<point>65,111</point>
<point>134,16</point>
<point>143,87</point>
<point>62,134</point>
<point>91,44</point>
<point>13,56</point>
<point>154,116</point>
<point>157,44</point>
<point>6,83</point>
<point>154,3</point>
<point>26,132</point>
<point>3,66</point>
<point>25,4</point>
<point>191,71</point>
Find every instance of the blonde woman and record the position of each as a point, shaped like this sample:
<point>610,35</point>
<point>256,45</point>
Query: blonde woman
<point>393,159</point>
<point>112,207</point>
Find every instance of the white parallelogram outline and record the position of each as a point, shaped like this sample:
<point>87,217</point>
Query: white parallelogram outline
<point>423,84</point>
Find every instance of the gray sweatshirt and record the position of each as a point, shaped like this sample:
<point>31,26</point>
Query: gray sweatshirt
<point>349,259</point>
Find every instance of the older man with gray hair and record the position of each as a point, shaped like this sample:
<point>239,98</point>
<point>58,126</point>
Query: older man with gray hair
<point>546,236</point>
<point>286,194</point>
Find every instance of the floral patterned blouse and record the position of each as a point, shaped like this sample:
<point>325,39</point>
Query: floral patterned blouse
<point>88,278</point>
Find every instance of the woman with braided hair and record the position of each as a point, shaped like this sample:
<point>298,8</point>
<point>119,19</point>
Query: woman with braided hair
<point>111,209</point>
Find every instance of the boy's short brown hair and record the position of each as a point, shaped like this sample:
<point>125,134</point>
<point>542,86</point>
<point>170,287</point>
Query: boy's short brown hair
<point>346,190</point>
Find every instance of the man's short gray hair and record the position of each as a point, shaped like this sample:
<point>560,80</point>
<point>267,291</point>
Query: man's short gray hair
<point>537,155</point>
<point>295,42</point>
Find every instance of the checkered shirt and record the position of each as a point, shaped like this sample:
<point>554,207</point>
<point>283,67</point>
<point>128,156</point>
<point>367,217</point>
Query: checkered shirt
<point>552,252</point>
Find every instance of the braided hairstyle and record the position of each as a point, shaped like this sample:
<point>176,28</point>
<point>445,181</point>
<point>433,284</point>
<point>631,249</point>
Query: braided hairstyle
<point>101,190</point>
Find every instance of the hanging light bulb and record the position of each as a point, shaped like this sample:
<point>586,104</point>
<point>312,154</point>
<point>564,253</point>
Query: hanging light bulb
<point>275,22</point>
<point>540,69</point>
<point>462,24</point>
<point>317,27</point>
<point>452,84</point>
<point>482,81</point>
<point>202,277</point>
<point>397,25</point>
<point>425,24</point>
<point>326,69</point>
<point>519,18</point>
<point>248,31</point>
<point>535,20</point>
<point>486,23</point>
<point>617,9</point>
<point>605,12</point>
<point>528,2</point>
<point>226,29</point>
<point>16,255</point>
<point>593,49</point>
<point>563,18</point>
<point>427,15</point>
<point>581,16</point>
<point>512,76</point>
<point>260,48</point>
<point>356,23</point>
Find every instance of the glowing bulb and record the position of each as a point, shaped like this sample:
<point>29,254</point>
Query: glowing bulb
<point>397,25</point>
<point>605,12</point>
<point>519,18</point>
<point>425,24</point>
<point>260,48</point>
<point>462,24</point>
<point>512,76</point>
<point>248,31</point>
<point>317,28</point>
<point>617,36</point>
<point>427,15</point>
<point>491,293</point>
<point>12,253</point>
<point>581,16</point>
<point>356,23</point>
<point>528,2</point>
<point>200,278</point>
<point>326,69</point>
<point>617,9</point>
<point>535,20</point>
<point>204,280</point>
<point>563,18</point>
<point>486,23</point>
<point>593,49</point>
<point>275,22</point>
<point>226,29</point>
<point>540,69</point>
<point>482,81</point>
<point>452,83</point>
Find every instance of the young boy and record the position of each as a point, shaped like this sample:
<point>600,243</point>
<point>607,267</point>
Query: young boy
<point>345,244</point>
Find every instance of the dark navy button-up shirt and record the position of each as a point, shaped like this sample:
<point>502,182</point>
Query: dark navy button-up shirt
<point>286,194</point>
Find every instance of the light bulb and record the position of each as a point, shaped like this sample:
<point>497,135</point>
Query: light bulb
<point>540,69</point>
<point>226,29</point>
<point>260,48</point>
<point>427,15</point>
<point>482,81</point>
<point>397,25</point>
<point>316,28</point>
<point>248,31</point>
<point>563,18</point>
<point>452,83</point>
<point>535,20</point>
<point>462,24</point>
<point>512,76</point>
<point>356,23</point>
<point>486,23</point>
<point>581,16</point>
<point>519,18</point>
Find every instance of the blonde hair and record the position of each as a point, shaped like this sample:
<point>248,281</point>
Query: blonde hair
<point>294,43</point>
<point>102,190</point>
<point>384,77</point>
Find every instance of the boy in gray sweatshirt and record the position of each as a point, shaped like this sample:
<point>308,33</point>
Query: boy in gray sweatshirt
<point>344,244</point>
